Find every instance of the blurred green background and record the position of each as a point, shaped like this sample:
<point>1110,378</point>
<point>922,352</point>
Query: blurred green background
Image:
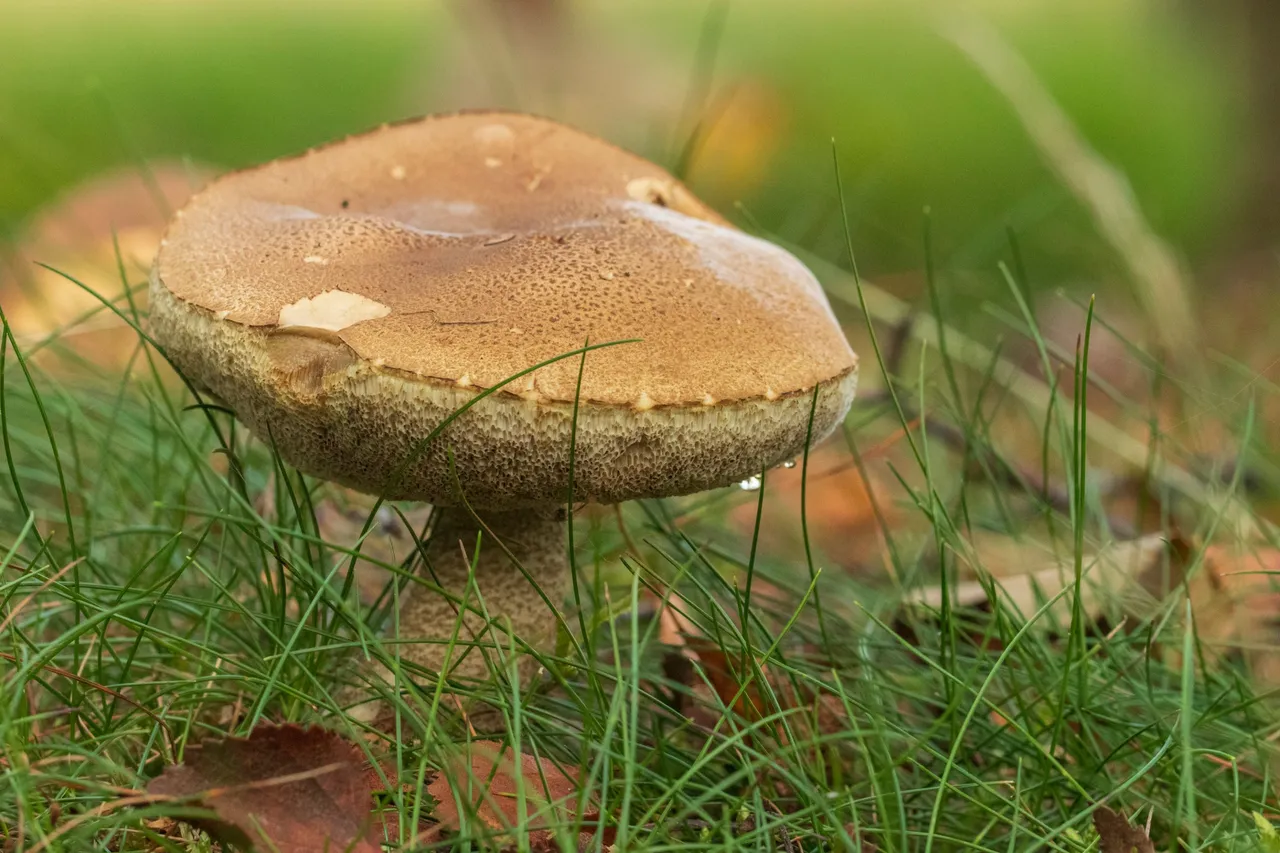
<point>761,87</point>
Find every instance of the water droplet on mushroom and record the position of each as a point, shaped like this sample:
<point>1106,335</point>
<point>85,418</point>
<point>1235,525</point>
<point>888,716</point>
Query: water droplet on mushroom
<point>387,520</point>
<point>315,259</point>
<point>790,463</point>
<point>751,484</point>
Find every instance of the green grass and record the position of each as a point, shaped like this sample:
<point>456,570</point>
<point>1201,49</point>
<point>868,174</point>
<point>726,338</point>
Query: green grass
<point>88,85</point>
<point>151,598</point>
<point>165,578</point>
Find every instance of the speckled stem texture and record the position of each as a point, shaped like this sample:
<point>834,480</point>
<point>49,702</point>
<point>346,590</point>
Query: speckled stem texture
<point>536,539</point>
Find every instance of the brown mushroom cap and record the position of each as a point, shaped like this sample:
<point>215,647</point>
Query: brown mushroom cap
<point>354,295</point>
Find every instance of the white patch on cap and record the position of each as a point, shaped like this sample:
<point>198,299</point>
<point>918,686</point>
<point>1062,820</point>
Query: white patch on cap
<point>736,258</point>
<point>644,403</point>
<point>315,259</point>
<point>494,134</point>
<point>333,310</point>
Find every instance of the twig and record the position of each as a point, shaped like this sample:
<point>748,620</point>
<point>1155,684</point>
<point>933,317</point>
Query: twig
<point>1099,186</point>
<point>896,347</point>
<point>888,309</point>
<point>57,670</point>
<point>13,614</point>
<point>1006,473</point>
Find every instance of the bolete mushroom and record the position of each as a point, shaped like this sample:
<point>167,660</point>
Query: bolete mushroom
<point>347,301</point>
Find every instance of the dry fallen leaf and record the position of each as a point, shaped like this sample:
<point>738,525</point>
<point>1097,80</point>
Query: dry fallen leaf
<point>284,788</point>
<point>341,518</point>
<point>1117,835</point>
<point>77,234</point>
<point>841,519</point>
<point>483,774</point>
<point>741,135</point>
<point>1029,574</point>
<point>1234,589</point>
<point>725,680</point>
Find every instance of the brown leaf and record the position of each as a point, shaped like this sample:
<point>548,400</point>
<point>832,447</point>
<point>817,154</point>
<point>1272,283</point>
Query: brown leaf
<point>341,517</point>
<point>1030,573</point>
<point>733,153</point>
<point>725,679</point>
<point>484,774</point>
<point>284,788</point>
<point>78,234</point>
<point>840,516</point>
<point>1234,589</point>
<point>1117,835</point>
<point>1235,599</point>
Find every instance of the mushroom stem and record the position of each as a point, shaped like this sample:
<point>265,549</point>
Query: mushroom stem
<point>535,538</point>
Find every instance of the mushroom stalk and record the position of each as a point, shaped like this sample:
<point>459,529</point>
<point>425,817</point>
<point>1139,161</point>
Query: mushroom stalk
<point>535,538</point>
<point>349,302</point>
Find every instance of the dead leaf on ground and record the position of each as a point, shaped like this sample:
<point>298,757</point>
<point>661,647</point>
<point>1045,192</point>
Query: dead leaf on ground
<point>1234,589</point>
<point>284,788</point>
<point>484,774</point>
<point>77,234</point>
<point>738,691</point>
<point>1117,835</point>
<point>1030,573</point>
<point>742,134</point>
<point>840,516</point>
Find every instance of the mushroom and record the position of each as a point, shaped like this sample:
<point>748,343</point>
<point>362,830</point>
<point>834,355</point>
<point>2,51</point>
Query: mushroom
<point>346,302</point>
